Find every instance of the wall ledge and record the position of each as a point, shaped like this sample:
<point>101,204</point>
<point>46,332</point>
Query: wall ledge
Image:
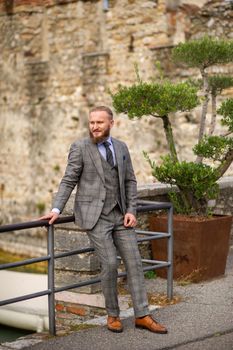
<point>158,188</point>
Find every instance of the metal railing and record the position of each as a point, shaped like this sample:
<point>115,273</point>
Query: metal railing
<point>142,206</point>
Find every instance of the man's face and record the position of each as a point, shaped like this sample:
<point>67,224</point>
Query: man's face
<point>100,125</point>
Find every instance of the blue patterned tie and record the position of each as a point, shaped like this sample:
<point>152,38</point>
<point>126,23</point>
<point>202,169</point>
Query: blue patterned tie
<point>109,156</point>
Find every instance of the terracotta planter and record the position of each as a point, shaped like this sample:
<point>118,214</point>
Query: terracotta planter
<point>200,246</point>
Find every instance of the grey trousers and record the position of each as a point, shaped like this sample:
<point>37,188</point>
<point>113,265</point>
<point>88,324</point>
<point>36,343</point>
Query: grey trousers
<point>109,236</point>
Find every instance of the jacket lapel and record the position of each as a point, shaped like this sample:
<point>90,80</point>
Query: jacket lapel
<point>96,158</point>
<point>119,157</point>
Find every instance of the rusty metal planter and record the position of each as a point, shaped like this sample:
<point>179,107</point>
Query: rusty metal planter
<point>200,246</point>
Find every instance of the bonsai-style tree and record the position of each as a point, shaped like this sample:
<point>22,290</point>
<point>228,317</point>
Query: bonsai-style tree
<point>196,181</point>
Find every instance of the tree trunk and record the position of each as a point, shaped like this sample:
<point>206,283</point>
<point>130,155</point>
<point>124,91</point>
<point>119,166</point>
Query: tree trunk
<point>228,159</point>
<point>204,109</point>
<point>170,138</point>
<point>189,201</point>
<point>213,117</point>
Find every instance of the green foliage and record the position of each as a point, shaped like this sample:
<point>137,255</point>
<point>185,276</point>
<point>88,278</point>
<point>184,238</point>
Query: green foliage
<point>56,168</point>
<point>203,52</point>
<point>40,207</point>
<point>200,178</point>
<point>136,68</point>
<point>213,147</point>
<point>150,275</point>
<point>160,70</point>
<point>7,257</point>
<point>218,83</point>
<point>196,181</point>
<point>226,110</point>
<point>157,99</point>
<point>178,204</point>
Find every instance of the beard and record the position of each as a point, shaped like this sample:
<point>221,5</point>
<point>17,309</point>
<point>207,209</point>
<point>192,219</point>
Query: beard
<point>97,139</point>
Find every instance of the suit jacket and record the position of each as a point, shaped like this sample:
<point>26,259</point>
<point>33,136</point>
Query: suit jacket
<point>84,169</point>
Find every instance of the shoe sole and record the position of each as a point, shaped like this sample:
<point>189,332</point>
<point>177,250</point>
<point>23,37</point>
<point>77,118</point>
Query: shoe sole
<point>115,330</point>
<point>159,332</point>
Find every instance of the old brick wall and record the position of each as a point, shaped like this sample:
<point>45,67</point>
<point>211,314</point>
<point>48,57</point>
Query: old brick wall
<point>58,59</point>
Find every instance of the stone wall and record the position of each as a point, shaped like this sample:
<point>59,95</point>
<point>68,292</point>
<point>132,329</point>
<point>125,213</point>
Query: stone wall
<point>59,58</point>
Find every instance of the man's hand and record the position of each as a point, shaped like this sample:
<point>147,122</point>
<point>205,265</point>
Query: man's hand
<point>130,220</point>
<point>52,216</point>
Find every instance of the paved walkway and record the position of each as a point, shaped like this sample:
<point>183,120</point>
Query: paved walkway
<point>202,320</point>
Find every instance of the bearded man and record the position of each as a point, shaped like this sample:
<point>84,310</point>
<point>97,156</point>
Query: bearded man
<point>105,206</point>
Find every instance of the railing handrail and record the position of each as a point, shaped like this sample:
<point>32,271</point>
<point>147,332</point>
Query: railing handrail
<point>142,206</point>
<point>34,224</point>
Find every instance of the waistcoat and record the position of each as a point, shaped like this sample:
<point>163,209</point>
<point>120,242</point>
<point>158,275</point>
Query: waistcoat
<point>112,187</point>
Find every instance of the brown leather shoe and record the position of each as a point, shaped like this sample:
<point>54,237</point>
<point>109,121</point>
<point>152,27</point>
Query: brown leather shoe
<point>147,322</point>
<point>114,324</point>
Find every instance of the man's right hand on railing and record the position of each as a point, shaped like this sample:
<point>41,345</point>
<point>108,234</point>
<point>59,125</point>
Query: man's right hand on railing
<point>52,216</point>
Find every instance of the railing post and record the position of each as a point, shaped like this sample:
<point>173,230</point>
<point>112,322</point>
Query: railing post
<point>170,254</point>
<point>51,299</point>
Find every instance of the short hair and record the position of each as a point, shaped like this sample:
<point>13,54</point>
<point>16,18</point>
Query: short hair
<point>102,109</point>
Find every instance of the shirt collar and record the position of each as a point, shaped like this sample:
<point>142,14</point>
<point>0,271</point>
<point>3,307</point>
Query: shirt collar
<point>109,139</point>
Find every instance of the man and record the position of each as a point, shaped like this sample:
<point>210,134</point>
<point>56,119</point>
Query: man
<point>105,206</point>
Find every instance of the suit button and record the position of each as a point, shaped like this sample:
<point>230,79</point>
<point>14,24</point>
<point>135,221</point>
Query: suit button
<point>102,200</point>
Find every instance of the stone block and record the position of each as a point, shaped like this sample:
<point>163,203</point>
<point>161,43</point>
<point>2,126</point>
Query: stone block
<point>70,239</point>
<point>65,278</point>
<point>67,240</point>
<point>82,262</point>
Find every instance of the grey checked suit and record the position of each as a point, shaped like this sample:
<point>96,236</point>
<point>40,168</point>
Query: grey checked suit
<point>96,183</point>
